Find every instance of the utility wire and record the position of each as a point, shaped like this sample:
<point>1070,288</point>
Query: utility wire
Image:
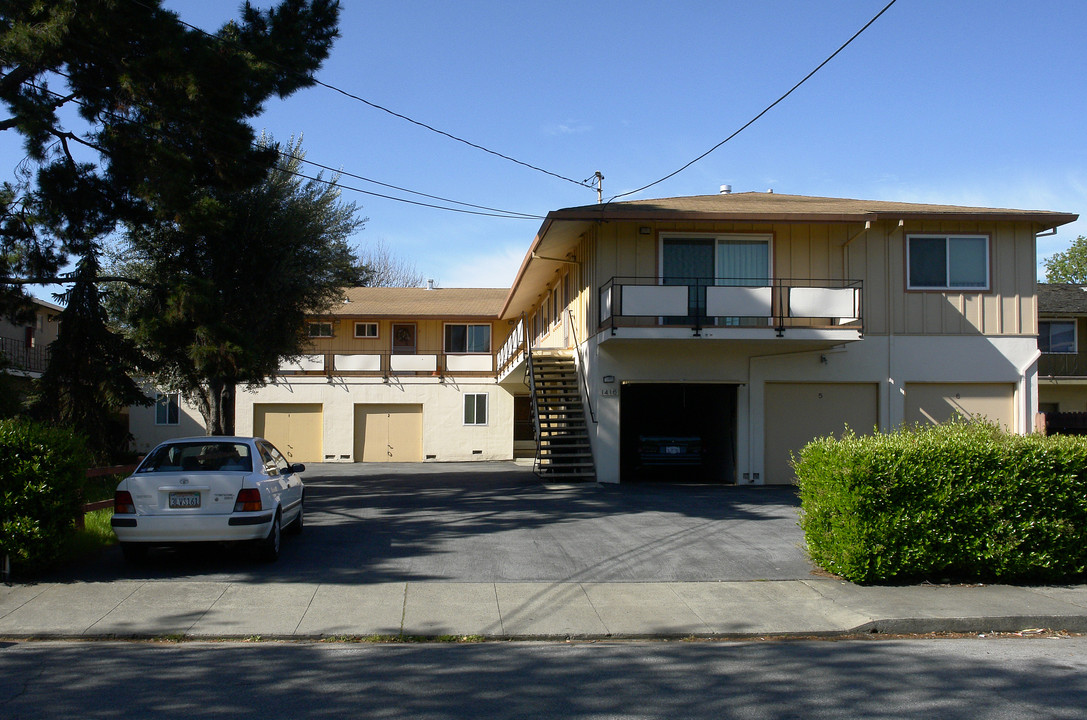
<point>395,114</point>
<point>768,108</point>
<point>482,209</point>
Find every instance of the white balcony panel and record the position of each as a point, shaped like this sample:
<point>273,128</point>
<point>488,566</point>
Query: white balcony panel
<point>823,302</point>
<point>651,300</point>
<point>304,363</point>
<point>605,304</point>
<point>468,363</point>
<point>416,363</point>
<point>357,363</point>
<point>738,301</point>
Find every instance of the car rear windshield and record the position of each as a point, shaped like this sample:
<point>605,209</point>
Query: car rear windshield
<point>198,457</point>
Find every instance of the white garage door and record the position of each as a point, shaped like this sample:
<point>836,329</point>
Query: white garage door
<point>796,413</point>
<point>389,433</point>
<point>296,429</point>
<point>928,403</point>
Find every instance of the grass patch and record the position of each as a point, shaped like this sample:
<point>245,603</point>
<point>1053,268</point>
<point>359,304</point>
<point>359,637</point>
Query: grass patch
<point>96,535</point>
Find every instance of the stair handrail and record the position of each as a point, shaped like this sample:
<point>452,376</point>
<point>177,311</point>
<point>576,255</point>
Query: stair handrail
<point>530,372</point>
<point>580,364</point>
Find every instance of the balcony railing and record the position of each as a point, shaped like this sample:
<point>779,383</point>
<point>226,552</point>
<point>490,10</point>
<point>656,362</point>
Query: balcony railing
<point>18,356</point>
<point>388,364</point>
<point>698,303</point>
<point>1062,365</point>
<point>513,349</point>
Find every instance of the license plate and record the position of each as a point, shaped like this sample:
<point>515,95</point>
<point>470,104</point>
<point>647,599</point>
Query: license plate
<point>184,500</point>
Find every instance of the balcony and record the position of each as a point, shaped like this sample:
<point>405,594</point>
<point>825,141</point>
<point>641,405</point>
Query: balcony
<point>1068,365</point>
<point>387,364</point>
<point>740,309</point>
<point>20,358</point>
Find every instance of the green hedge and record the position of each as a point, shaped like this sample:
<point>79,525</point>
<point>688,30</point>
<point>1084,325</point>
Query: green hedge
<point>963,501</point>
<point>42,471</point>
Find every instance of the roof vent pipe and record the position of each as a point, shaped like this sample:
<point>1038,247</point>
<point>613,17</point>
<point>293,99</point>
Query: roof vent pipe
<point>726,189</point>
<point>430,283</point>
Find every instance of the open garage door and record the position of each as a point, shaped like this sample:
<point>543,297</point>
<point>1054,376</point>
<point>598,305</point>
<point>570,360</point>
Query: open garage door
<point>389,433</point>
<point>677,432</point>
<point>796,413</point>
<point>940,402</point>
<point>296,429</point>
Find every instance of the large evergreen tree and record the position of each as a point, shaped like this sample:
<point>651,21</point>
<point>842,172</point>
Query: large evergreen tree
<point>233,287</point>
<point>131,118</point>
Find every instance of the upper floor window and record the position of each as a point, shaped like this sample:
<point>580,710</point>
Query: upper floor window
<point>366,329</point>
<point>319,329</point>
<point>1057,336</point>
<point>947,262</point>
<point>466,338</point>
<point>167,410</point>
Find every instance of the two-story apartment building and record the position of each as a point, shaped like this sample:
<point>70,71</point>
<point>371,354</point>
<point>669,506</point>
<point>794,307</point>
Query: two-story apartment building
<point>1062,341</point>
<point>24,346</point>
<point>703,337</point>
<point>392,375</point>
<point>717,334</point>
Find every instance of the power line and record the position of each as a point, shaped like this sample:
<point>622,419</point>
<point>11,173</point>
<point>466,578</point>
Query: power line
<point>482,210</point>
<point>767,109</point>
<point>395,114</point>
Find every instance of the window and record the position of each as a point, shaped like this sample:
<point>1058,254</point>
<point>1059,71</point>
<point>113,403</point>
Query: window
<point>700,261</point>
<point>475,409</point>
<point>1057,336</point>
<point>945,262</point>
<point>366,329</point>
<point>319,329</point>
<point>463,338</point>
<point>166,409</point>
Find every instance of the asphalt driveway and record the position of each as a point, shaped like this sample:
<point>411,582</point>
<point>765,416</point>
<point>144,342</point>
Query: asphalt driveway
<point>496,522</point>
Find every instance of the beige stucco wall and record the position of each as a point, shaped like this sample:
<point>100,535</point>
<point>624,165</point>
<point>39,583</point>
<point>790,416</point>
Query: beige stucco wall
<point>445,437</point>
<point>146,434</point>
<point>888,362</point>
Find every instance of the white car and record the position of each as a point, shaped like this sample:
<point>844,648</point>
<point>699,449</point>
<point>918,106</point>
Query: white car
<point>208,489</point>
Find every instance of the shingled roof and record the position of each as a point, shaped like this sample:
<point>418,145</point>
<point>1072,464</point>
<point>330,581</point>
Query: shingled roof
<point>796,208</point>
<point>420,302</point>
<point>1062,298</point>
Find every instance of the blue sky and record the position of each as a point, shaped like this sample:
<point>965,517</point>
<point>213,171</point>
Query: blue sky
<point>948,102</point>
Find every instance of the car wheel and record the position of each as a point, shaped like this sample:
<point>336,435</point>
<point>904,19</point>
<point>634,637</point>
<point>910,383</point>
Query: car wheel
<point>298,523</point>
<point>268,549</point>
<point>134,552</point>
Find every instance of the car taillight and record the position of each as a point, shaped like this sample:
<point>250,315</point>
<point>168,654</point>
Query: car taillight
<point>248,500</point>
<point>122,503</point>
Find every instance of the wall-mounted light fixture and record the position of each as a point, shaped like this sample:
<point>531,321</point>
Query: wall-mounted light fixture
<point>645,230</point>
<point>609,378</point>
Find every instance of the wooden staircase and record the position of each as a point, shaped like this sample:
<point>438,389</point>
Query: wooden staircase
<point>563,452</point>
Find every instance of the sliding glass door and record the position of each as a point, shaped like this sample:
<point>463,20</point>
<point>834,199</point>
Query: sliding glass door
<point>726,260</point>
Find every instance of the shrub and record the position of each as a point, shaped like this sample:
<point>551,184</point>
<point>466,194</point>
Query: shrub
<point>962,500</point>
<point>42,470</point>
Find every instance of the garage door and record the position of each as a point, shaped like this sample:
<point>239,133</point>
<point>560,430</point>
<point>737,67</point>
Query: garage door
<point>939,402</point>
<point>796,413</point>
<point>296,429</point>
<point>389,433</point>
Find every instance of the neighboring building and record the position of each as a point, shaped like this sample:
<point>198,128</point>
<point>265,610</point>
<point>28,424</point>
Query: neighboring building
<point>726,331</point>
<point>25,346</point>
<point>392,375</point>
<point>1062,342</point>
<point>684,338</point>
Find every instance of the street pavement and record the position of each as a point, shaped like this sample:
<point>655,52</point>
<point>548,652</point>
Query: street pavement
<point>486,550</point>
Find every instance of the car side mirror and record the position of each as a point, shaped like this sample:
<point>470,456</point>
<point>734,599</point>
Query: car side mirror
<point>296,468</point>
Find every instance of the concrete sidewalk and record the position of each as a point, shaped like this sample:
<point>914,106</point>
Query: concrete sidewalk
<point>824,607</point>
